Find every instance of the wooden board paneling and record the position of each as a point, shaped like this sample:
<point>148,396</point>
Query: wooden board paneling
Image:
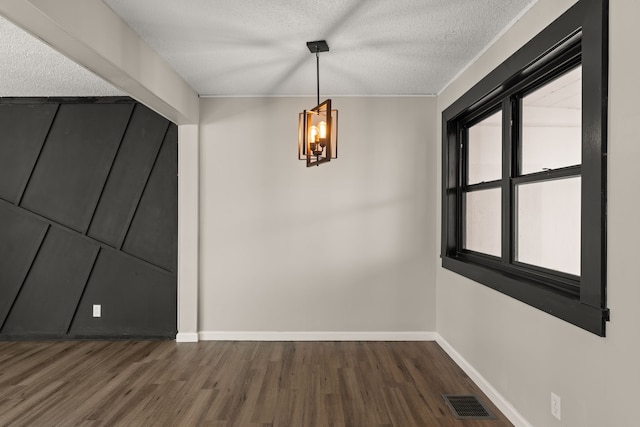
<point>128,176</point>
<point>23,129</point>
<point>88,172</point>
<point>136,299</point>
<point>51,291</point>
<point>20,238</point>
<point>75,161</point>
<point>150,236</point>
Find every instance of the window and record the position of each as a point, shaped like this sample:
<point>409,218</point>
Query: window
<point>524,172</point>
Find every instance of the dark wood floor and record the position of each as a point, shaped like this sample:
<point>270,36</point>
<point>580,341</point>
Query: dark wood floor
<point>243,384</point>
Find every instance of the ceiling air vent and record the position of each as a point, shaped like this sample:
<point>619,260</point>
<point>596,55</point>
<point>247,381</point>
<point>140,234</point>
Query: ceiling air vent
<point>467,407</point>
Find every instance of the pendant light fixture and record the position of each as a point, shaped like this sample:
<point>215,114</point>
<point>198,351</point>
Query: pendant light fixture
<point>318,127</point>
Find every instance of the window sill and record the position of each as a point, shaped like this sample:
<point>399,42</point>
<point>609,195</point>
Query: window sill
<point>536,294</point>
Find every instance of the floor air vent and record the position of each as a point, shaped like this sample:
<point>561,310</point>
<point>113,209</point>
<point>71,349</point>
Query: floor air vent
<point>466,407</point>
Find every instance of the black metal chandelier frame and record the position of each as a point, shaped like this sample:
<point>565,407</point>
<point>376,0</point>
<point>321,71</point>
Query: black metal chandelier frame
<point>317,127</point>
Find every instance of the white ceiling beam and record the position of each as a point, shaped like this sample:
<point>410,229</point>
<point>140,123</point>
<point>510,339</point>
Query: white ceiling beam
<point>91,34</point>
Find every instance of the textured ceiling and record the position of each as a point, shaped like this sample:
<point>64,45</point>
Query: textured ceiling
<point>257,47</point>
<point>378,47</point>
<point>28,67</point>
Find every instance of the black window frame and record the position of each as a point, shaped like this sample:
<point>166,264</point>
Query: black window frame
<point>577,37</point>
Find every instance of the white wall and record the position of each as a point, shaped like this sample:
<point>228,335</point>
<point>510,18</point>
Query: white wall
<point>188,257</point>
<point>524,353</point>
<point>347,246</point>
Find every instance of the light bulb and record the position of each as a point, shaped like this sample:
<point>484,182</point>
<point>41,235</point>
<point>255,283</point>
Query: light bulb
<point>323,130</point>
<point>313,134</point>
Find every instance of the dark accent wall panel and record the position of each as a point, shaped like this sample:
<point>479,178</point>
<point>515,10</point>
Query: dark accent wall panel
<point>23,129</point>
<point>151,235</point>
<point>136,299</point>
<point>88,215</point>
<point>74,163</point>
<point>50,294</point>
<point>128,176</point>
<point>20,238</point>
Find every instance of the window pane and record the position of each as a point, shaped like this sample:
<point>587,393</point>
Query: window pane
<point>552,124</point>
<point>548,224</point>
<point>483,221</point>
<point>485,150</point>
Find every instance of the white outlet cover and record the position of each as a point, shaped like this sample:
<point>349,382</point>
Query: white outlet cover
<point>556,406</point>
<point>97,310</point>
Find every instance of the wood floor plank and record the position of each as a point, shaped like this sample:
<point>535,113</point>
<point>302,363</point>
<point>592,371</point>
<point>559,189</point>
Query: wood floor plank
<point>231,384</point>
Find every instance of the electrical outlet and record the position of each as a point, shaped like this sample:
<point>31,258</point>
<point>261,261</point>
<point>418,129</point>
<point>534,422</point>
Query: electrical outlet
<point>555,405</point>
<point>97,310</point>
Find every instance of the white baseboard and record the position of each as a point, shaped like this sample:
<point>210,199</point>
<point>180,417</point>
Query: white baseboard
<point>503,404</point>
<point>315,336</point>
<point>187,337</point>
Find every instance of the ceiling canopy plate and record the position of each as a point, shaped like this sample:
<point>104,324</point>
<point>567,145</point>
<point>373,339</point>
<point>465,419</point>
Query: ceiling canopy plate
<point>318,46</point>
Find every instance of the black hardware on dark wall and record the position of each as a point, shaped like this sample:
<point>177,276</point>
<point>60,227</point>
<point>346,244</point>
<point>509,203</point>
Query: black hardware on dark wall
<point>88,215</point>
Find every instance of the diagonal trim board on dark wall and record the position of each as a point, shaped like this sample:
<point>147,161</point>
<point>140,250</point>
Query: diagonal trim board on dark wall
<point>88,215</point>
